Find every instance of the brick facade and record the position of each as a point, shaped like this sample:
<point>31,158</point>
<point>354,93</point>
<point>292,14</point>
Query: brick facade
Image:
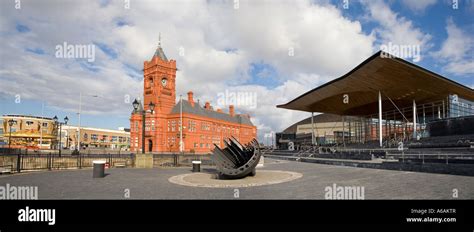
<point>202,125</point>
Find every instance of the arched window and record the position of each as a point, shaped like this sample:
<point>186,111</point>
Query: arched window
<point>149,82</point>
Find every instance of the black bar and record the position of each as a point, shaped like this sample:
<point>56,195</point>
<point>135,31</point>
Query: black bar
<point>269,211</point>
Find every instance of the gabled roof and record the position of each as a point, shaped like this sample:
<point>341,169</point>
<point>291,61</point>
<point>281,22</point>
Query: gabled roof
<point>201,111</point>
<point>396,78</point>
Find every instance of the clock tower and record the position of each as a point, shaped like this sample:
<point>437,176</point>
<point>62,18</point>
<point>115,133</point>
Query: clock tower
<point>159,87</point>
<point>178,127</point>
<point>160,82</point>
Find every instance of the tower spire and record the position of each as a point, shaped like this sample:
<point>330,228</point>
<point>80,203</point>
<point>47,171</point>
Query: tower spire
<point>159,50</point>
<point>159,39</point>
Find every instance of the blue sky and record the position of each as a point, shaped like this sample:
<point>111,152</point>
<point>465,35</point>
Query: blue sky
<point>217,46</point>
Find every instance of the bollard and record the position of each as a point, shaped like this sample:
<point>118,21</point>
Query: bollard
<point>196,166</point>
<point>99,169</point>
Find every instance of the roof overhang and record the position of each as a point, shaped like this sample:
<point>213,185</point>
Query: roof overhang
<point>395,78</point>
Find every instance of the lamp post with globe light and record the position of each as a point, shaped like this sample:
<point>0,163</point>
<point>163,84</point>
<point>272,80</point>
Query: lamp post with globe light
<point>10,124</point>
<point>59,124</point>
<point>151,106</point>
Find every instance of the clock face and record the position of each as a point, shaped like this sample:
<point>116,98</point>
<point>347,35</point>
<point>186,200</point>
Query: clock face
<point>164,81</point>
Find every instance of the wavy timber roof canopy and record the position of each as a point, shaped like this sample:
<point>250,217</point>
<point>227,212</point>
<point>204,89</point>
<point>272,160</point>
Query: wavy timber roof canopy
<point>395,78</point>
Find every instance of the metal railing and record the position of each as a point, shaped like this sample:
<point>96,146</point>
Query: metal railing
<point>23,161</point>
<point>176,160</point>
<point>65,152</point>
<point>27,162</point>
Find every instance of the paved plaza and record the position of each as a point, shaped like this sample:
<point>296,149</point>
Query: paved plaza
<point>155,184</point>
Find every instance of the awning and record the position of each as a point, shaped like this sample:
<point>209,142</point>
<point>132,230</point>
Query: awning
<point>397,79</point>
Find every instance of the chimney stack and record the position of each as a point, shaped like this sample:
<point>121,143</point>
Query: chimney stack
<point>207,106</point>
<point>231,110</point>
<point>190,98</point>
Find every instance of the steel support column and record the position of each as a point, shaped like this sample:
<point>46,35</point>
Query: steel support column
<point>414,119</point>
<point>343,132</point>
<point>444,112</point>
<point>312,128</point>
<point>380,119</point>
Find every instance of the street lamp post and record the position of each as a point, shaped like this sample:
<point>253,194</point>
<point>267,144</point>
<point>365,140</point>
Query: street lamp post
<point>10,124</point>
<point>135,105</point>
<point>78,148</point>
<point>67,139</point>
<point>59,124</point>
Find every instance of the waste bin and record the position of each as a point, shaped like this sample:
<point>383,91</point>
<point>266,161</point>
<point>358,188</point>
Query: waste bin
<point>196,166</point>
<point>99,169</point>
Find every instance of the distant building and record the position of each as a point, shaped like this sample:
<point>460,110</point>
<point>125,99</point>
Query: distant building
<point>32,132</point>
<point>95,138</point>
<point>328,129</point>
<point>202,125</point>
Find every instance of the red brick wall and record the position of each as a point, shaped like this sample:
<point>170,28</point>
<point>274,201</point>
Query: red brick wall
<point>159,126</point>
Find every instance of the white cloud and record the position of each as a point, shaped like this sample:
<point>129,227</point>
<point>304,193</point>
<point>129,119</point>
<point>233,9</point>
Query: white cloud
<point>462,67</point>
<point>326,45</point>
<point>418,5</point>
<point>456,51</point>
<point>394,28</point>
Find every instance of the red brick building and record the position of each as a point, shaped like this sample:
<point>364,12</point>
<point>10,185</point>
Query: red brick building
<point>202,125</point>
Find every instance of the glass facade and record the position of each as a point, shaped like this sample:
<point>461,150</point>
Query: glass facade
<point>459,107</point>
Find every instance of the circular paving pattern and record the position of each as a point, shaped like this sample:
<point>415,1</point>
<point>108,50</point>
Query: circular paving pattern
<point>209,180</point>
